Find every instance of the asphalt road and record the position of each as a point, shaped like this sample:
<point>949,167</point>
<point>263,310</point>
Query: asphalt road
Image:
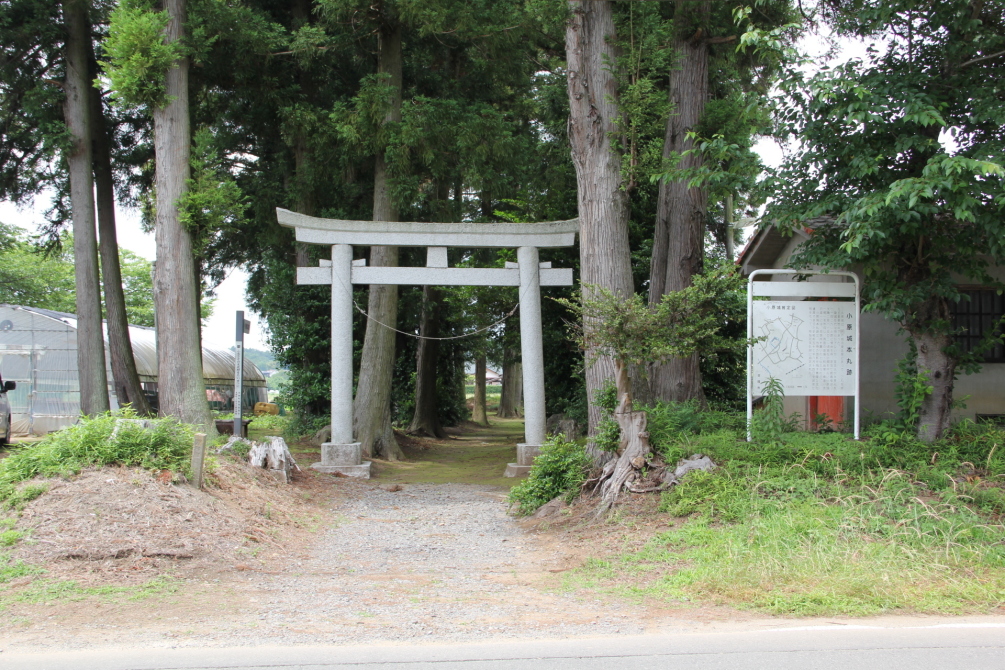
<point>945,647</point>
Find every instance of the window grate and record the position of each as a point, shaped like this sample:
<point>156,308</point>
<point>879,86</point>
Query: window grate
<point>978,312</point>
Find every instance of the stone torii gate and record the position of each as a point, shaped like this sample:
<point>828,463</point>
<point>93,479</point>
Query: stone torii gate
<point>342,454</point>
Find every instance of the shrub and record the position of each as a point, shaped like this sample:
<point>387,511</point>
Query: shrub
<point>560,470</point>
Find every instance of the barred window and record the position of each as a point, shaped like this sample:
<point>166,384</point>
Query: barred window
<point>975,317</point>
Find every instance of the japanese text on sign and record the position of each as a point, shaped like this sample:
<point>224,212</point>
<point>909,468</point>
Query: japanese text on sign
<point>809,346</point>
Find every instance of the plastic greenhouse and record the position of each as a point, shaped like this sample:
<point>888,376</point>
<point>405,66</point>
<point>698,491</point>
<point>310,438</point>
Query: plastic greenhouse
<point>38,350</point>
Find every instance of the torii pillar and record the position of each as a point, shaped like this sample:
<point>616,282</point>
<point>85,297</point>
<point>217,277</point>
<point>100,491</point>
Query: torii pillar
<point>342,454</point>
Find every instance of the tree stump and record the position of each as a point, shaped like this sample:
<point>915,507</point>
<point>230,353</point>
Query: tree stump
<point>274,455</point>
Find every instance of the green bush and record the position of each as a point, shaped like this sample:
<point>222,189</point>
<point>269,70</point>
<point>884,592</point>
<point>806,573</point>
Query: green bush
<point>167,445</point>
<point>560,470</point>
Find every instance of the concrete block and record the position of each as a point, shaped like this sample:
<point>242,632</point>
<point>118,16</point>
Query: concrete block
<point>526,453</point>
<point>360,471</point>
<point>515,470</point>
<point>333,453</point>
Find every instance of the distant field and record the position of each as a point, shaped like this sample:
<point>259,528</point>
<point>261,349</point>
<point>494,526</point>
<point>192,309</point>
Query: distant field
<point>492,392</point>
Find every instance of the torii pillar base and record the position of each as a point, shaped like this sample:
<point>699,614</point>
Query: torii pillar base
<point>525,455</point>
<point>343,459</point>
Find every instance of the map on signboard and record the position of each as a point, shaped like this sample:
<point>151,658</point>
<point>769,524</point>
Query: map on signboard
<point>809,346</point>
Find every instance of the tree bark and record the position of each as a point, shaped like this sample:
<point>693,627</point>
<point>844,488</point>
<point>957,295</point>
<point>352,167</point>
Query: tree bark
<point>603,203</point>
<point>678,241</point>
<point>126,379</point>
<point>91,371</point>
<point>512,386</point>
<point>632,453</point>
<point>372,406</point>
<point>479,411</point>
<point>935,414</point>
<point>426,420</point>
<point>180,385</point>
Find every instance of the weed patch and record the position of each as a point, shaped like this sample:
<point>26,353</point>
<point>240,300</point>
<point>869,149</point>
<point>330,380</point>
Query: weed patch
<point>11,569</point>
<point>94,441</point>
<point>44,591</point>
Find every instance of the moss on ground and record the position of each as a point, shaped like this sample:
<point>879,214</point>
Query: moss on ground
<point>475,456</point>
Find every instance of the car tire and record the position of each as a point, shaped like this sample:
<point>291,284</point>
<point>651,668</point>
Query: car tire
<point>6,437</point>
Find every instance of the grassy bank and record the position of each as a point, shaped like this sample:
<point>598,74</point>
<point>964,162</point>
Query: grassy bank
<point>816,524</point>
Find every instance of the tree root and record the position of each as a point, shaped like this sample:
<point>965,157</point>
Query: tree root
<point>634,469</point>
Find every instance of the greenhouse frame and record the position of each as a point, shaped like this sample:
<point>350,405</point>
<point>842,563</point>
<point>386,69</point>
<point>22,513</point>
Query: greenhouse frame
<point>38,350</point>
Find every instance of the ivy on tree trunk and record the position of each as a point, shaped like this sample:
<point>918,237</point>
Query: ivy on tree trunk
<point>180,385</point>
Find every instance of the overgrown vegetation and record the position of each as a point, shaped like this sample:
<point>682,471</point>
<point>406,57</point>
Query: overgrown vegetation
<point>817,523</point>
<point>560,470</point>
<point>101,440</point>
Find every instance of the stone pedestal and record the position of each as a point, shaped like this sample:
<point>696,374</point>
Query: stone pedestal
<point>346,459</point>
<point>525,455</point>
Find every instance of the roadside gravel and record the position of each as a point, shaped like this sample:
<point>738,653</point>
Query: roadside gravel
<point>439,562</point>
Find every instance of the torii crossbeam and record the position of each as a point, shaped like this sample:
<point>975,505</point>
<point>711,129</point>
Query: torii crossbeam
<point>342,454</point>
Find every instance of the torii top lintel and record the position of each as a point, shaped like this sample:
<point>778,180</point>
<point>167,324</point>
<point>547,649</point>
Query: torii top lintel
<point>314,230</point>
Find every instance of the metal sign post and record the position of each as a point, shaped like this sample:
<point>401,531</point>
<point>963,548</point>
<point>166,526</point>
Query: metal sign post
<point>811,347</point>
<point>243,327</point>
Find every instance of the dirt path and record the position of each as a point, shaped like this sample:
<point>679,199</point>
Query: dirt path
<point>424,551</point>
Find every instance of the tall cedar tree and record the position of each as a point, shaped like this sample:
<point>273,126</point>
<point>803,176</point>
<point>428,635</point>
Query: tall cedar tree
<point>705,36</point>
<point>180,385</point>
<point>372,405</point>
<point>31,37</point>
<point>603,202</point>
<point>77,111</point>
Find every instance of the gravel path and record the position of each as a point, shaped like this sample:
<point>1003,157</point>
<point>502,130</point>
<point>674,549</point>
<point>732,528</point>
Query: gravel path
<point>439,562</point>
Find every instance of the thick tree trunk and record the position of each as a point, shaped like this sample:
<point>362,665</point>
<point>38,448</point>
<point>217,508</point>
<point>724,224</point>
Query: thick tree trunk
<point>77,113</point>
<point>512,386</point>
<point>678,241</point>
<point>479,411</point>
<point>128,388</point>
<point>180,385</point>
<point>426,420</point>
<point>372,406</point>
<point>305,202</point>
<point>941,370</point>
<point>603,203</point>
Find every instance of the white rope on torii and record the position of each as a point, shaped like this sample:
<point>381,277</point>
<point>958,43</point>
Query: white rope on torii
<point>342,454</point>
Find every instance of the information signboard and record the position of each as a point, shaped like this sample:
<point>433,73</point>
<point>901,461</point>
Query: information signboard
<point>807,336</point>
<point>808,346</point>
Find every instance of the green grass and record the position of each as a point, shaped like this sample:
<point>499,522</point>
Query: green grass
<point>46,591</point>
<point>819,524</point>
<point>11,569</point>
